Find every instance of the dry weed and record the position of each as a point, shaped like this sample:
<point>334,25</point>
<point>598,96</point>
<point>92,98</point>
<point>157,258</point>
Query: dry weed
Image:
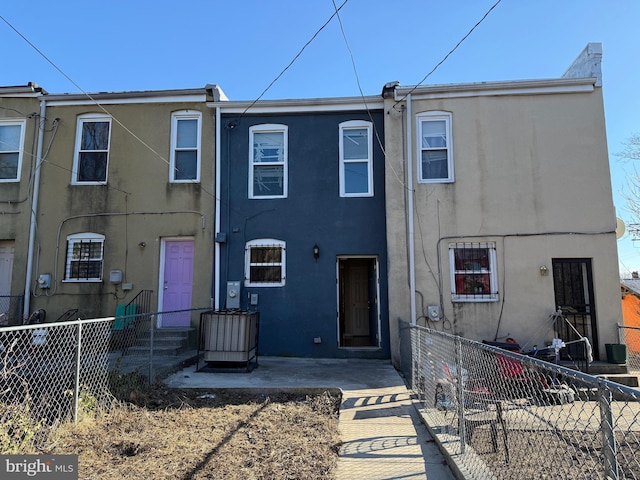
<point>202,434</point>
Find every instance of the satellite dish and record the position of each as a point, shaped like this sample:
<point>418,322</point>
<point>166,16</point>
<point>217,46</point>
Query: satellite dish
<point>620,228</point>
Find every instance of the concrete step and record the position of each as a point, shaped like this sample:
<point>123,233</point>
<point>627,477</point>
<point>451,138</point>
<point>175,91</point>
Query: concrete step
<point>163,350</point>
<point>622,379</point>
<point>168,332</point>
<point>601,368</point>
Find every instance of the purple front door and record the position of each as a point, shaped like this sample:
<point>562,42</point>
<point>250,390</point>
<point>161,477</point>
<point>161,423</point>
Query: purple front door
<point>177,282</point>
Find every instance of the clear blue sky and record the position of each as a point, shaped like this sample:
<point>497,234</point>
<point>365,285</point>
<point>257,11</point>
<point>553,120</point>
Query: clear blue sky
<point>242,45</point>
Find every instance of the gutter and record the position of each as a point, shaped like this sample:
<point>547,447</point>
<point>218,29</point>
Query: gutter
<point>34,209</point>
<point>216,248</point>
<point>412,262</point>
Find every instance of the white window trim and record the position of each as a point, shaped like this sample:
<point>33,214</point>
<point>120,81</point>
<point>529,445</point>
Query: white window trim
<point>75,238</point>
<point>356,124</point>
<point>90,117</point>
<point>493,277</point>
<point>270,128</point>
<point>435,115</point>
<point>22,123</point>
<point>247,267</point>
<point>175,118</point>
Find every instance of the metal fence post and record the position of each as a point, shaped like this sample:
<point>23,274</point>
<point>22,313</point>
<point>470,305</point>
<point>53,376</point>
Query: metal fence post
<point>76,397</point>
<point>460,393</point>
<point>620,333</point>
<point>608,433</point>
<point>151,333</point>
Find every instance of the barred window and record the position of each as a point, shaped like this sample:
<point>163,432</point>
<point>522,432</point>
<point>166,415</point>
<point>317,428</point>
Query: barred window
<point>84,257</point>
<point>473,272</point>
<point>265,263</point>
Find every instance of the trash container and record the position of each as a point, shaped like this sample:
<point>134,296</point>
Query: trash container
<point>230,336</point>
<point>616,352</point>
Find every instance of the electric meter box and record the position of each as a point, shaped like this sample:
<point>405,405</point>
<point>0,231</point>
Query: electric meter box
<point>115,276</point>
<point>233,295</point>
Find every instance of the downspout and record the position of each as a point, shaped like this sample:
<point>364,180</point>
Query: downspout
<point>412,265</point>
<point>34,209</point>
<point>216,250</point>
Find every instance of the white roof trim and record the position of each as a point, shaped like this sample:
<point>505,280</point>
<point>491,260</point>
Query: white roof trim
<point>300,105</point>
<point>123,101</point>
<point>525,87</point>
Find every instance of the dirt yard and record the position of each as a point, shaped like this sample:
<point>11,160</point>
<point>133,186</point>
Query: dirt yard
<point>202,434</point>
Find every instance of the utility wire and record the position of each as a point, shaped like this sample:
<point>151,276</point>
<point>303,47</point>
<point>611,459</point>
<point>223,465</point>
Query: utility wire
<point>294,60</point>
<point>161,157</point>
<point>364,100</point>
<point>448,54</point>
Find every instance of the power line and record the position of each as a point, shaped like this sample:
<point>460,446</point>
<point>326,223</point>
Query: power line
<point>294,59</point>
<point>98,104</point>
<point>364,100</point>
<point>448,54</point>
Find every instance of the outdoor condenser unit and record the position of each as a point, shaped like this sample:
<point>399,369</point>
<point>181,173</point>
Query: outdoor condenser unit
<point>230,336</point>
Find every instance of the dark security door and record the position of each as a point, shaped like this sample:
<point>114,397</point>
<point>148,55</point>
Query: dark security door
<point>573,288</point>
<point>358,302</point>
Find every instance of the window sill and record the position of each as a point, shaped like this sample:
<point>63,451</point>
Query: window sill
<point>436,180</point>
<point>90,280</point>
<point>474,298</point>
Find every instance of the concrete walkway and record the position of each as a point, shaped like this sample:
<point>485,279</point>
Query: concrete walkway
<point>382,434</point>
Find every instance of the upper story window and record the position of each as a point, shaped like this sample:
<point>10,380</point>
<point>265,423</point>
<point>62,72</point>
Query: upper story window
<point>268,161</point>
<point>11,141</point>
<point>435,147</point>
<point>356,159</point>
<point>265,263</point>
<point>92,150</point>
<point>473,272</point>
<point>84,257</point>
<point>185,146</point>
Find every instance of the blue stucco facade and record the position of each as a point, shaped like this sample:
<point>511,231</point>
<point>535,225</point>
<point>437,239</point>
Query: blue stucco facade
<point>302,318</point>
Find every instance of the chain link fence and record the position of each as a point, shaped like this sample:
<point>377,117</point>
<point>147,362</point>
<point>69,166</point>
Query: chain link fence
<point>503,415</point>
<point>630,336</point>
<point>11,309</point>
<point>51,372</point>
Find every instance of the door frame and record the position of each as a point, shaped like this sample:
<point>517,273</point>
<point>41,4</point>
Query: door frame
<point>375,302</point>
<point>588,288</point>
<point>161,271</point>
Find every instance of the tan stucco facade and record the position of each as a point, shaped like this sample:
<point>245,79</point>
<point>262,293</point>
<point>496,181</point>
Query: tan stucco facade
<point>531,176</point>
<point>21,105</point>
<point>136,210</point>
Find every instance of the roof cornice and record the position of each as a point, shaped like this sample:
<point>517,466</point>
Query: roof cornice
<point>300,105</point>
<point>111,98</point>
<point>516,87</point>
<point>29,90</point>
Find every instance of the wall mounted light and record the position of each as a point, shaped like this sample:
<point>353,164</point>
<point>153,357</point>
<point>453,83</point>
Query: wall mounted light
<point>316,251</point>
<point>142,245</point>
<point>544,270</point>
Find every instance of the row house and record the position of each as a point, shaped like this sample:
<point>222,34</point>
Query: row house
<point>123,198</point>
<point>504,211</point>
<point>21,114</point>
<point>301,223</point>
<point>477,209</point>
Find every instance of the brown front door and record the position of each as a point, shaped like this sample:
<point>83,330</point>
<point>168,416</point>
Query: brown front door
<point>358,314</point>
